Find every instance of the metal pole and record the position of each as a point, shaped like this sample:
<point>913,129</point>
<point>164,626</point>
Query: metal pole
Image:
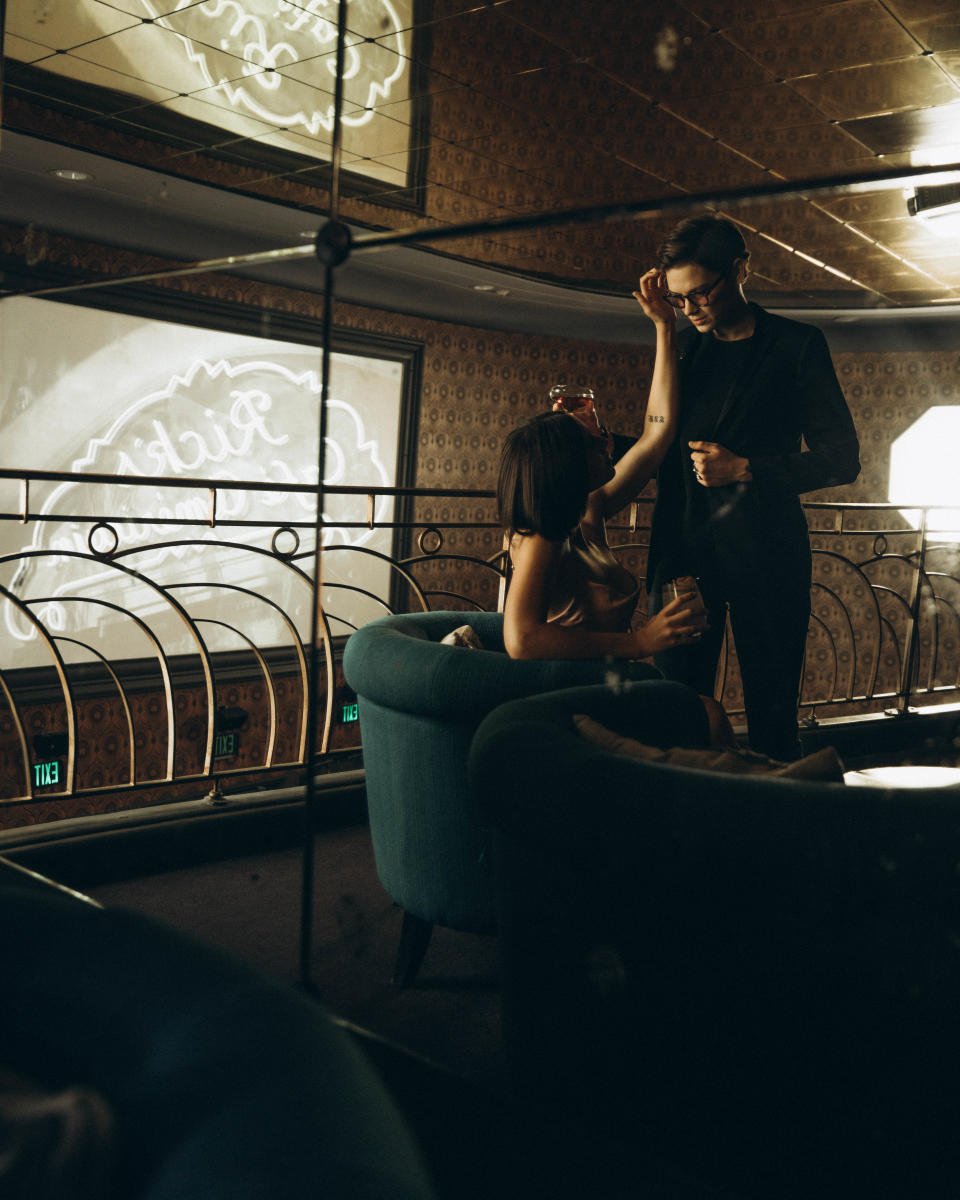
<point>836,185</point>
<point>312,706</point>
<point>910,649</point>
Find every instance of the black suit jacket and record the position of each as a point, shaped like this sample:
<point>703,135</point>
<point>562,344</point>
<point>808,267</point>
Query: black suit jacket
<point>787,414</point>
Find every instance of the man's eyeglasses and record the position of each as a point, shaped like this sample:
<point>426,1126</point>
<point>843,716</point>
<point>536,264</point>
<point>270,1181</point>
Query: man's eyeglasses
<point>699,297</point>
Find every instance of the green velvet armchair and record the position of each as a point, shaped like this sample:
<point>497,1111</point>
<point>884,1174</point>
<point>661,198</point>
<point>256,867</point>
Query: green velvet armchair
<point>756,977</point>
<point>420,703</point>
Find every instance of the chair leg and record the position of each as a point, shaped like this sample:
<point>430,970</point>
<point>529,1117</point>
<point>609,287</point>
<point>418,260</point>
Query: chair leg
<point>414,939</point>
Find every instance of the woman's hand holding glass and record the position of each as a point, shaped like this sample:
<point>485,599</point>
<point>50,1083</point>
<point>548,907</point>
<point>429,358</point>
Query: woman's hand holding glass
<point>686,585</point>
<point>676,624</point>
<point>651,297</point>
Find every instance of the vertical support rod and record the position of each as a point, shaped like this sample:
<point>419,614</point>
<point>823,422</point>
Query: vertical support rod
<point>312,706</point>
<point>316,625</point>
<point>313,689</point>
<point>910,649</point>
<point>336,149</point>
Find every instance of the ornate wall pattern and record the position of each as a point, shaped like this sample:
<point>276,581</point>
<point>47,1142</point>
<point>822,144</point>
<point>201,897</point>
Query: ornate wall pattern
<point>103,745</point>
<point>477,384</point>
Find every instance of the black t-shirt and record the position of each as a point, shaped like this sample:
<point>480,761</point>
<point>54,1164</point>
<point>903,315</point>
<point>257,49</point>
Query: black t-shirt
<point>709,382</point>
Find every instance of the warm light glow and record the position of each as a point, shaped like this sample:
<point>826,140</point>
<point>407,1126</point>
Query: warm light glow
<point>945,224</point>
<point>71,175</point>
<point>923,470</point>
<point>935,156</point>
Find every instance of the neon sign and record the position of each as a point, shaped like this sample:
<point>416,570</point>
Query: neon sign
<point>242,418</point>
<point>275,58</point>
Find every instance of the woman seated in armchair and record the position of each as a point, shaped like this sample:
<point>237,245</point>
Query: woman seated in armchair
<point>569,597</point>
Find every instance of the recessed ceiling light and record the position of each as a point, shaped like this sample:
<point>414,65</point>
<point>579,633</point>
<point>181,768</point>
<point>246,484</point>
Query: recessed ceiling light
<point>483,287</point>
<point>70,174</point>
<point>308,234</point>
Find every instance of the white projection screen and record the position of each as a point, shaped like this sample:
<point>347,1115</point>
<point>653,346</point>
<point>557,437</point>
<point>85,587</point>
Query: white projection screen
<point>88,390</point>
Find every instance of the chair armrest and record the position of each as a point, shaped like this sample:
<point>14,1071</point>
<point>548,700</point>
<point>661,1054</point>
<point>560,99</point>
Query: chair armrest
<point>390,662</point>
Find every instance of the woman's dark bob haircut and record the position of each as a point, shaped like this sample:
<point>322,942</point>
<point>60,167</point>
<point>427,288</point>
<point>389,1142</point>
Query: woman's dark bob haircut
<point>709,241</point>
<point>543,482</point>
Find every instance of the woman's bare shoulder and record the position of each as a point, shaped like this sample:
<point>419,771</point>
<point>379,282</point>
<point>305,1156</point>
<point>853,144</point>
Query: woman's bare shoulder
<point>533,548</point>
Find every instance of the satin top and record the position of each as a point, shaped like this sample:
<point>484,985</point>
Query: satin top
<point>591,588</point>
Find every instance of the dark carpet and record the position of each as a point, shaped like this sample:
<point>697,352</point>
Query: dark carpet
<point>251,907</point>
<point>482,1140</point>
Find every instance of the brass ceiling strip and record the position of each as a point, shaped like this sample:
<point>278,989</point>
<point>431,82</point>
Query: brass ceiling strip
<point>365,242</point>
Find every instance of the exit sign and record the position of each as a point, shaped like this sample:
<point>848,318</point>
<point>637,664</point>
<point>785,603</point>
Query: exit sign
<point>46,773</point>
<point>350,713</point>
<point>226,745</point>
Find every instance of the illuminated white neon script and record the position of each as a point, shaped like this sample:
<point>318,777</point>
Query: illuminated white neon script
<point>242,48</point>
<point>254,419</point>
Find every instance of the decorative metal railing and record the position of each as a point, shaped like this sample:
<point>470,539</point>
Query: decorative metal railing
<point>159,648</point>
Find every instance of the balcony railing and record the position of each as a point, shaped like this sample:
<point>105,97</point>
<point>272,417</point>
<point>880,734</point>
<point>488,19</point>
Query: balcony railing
<point>158,631</point>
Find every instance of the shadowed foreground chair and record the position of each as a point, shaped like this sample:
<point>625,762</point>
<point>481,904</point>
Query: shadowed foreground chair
<point>139,1064</point>
<point>759,977</point>
<point>222,1084</point>
<point>420,703</point>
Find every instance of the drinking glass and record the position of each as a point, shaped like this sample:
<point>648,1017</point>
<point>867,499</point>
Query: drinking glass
<point>686,586</point>
<point>580,402</point>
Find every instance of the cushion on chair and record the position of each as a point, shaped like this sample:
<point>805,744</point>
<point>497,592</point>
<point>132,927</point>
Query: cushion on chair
<point>823,764</point>
<point>755,975</point>
<point>464,636</point>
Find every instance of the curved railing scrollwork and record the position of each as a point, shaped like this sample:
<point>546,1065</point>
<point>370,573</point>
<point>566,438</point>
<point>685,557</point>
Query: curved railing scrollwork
<point>177,652</point>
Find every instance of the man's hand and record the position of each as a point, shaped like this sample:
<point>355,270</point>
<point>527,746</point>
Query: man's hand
<point>715,465</point>
<point>650,297</point>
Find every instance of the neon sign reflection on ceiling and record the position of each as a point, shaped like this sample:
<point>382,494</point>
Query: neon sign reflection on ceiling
<point>243,48</point>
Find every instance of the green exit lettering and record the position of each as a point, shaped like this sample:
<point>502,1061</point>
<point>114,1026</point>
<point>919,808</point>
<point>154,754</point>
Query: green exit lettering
<point>46,773</point>
<point>350,713</point>
<point>225,745</point>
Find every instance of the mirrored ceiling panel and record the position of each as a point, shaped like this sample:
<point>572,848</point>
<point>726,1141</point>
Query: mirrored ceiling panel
<point>457,113</point>
<point>242,77</point>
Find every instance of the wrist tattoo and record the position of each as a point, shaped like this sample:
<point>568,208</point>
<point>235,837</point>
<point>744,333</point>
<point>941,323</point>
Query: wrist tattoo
<point>655,420</point>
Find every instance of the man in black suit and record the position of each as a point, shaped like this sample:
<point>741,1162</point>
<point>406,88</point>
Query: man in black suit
<point>754,387</point>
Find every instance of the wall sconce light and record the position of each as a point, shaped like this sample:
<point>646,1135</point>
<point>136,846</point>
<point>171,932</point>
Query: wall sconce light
<point>938,206</point>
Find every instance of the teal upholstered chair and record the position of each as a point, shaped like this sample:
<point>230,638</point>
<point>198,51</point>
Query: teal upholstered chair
<point>756,977</point>
<point>223,1084</point>
<point>420,703</point>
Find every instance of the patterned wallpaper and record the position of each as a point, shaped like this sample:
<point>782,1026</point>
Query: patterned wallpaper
<point>103,745</point>
<point>476,385</point>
